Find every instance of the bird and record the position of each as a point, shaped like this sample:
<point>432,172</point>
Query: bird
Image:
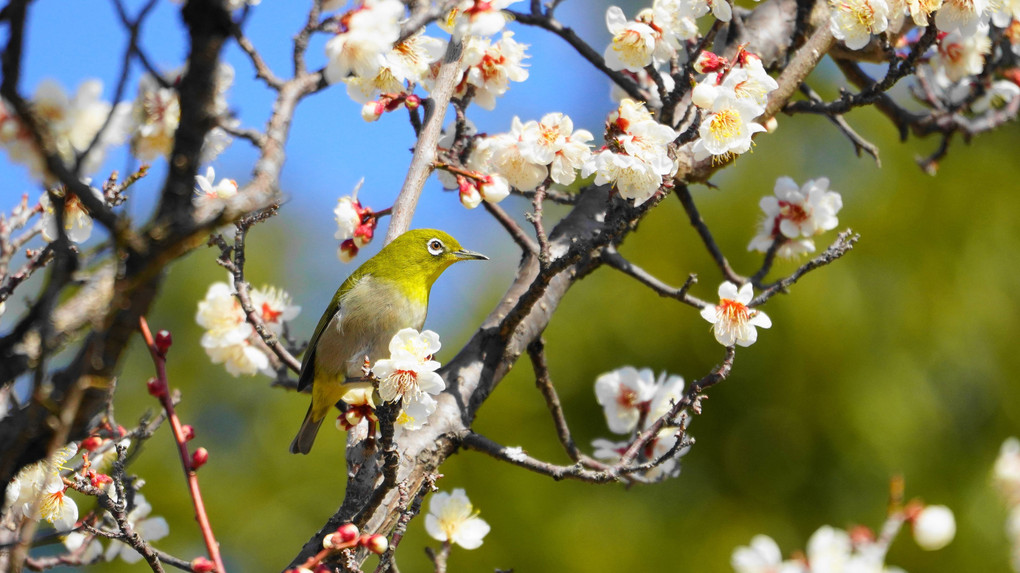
<point>387,293</point>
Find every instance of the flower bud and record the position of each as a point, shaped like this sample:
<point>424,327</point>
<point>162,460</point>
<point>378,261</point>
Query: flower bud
<point>188,431</point>
<point>375,543</point>
<point>708,62</point>
<point>202,565</point>
<point>91,443</point>
<point>199,458</point>
<point>412,102</point>
<point>327,541</point>
<point>347,533</point>
<point>934,527</point>
<point>156,387</point>
<point>163,341</point>
<point>372,110</point>
<point>347,251</point>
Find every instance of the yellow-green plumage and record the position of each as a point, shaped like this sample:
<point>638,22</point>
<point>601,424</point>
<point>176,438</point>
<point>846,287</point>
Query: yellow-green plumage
<point>386,293</point>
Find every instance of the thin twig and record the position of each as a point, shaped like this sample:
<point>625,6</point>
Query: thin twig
<point>512,228</point>
<point>841,246</point>
<point>614,259</point>
<point>536,351</point>
<point>684,194</point>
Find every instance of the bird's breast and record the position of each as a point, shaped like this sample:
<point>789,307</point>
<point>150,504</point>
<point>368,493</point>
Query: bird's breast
<point>371,312</point>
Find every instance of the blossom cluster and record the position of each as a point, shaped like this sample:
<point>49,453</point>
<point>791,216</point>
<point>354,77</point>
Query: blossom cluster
<point>633,400</point>
<point>831,550</point>
<point>38,492</point>
<point>452,519</point>
<point>1007,478</point>
<point>409,375</point>
<point>74,122</point>
<point>731,97</point>
<point>229,338</point>
<point>381,73</point>
<point>355,225</point>
<point>795,214</point>
<point>636,157</point>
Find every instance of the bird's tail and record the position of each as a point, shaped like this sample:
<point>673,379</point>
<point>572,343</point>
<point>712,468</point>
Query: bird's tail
<point>302,443</point>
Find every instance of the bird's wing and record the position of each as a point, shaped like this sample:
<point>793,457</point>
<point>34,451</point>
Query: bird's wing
<point>335,307</point>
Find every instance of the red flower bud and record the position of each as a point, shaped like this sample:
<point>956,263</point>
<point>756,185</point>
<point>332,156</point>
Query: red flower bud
<point>188,431</point>
<point>347,533</point>
<point>412,102</point>
<point>202,565</point>
<point>199,458</point>
<point>156,387</point>
<point>163,342</point>
<point>91,443</point>
<point>375,543</point>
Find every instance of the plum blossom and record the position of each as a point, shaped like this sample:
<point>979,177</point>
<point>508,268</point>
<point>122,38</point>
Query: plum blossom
<point>746,81</point>
<point>409,374</point>
<point>406,63</point>
<point>633,400</point>
<point>728,128</point>
<point>960,55</point>
<point>623,393</point>
<point>962,15</point>
<point>762,556</point>
<point>854,21</point>
<point>210,192</point>
<point>355,223</point>
<point>934,527</point>
<point>367,33</point>
<point>636,158</point>
<point>453,519</point>
<point>229,338</point>
<point>477,17</point>
<point>796,214</point>
<point>554,142</point>
<point>633,42</point>
<point>156,113</point>
<point>77,222</point>
<point>732,321</point>
<point>38,492</point>
<point>73,121</point>
<point>920,10</point>
<point>490,67</point>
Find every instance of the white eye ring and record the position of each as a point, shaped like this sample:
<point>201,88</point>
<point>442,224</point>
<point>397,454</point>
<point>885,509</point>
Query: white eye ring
<point>435,246</point>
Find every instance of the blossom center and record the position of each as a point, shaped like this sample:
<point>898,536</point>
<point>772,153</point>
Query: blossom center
<point>793,212</point>
<point>733,312</point>
<point>725,124</point>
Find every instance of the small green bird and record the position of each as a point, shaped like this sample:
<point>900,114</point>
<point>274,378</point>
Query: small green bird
<point>385,294</point>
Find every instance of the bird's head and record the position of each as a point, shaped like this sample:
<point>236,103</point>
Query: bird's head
<point>421,255</point>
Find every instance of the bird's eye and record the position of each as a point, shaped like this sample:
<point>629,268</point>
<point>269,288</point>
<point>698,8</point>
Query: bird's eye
<point>435,246</point>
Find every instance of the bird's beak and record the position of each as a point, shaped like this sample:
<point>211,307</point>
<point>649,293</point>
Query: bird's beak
<point>466,255</point>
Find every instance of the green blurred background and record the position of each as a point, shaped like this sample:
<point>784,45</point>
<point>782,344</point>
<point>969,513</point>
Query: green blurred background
<point>897,360</point>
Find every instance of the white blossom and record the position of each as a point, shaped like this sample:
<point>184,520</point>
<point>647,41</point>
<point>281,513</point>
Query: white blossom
<point>624,393</point>
<point>762,556</point>
<point>453,519</point>
<point>477,17</point>
<point>406,63</point>
<point>934,527</point>
<point>38,492</point>
<point>633,178</point>
<point>854,21</point>
<point>554,142</point>
<point>77,222</point>
<point>732,321</point>
<point>273,305</point>
<point>409,374</point>
<point>370,32</point>
<point>796,213</point>
<point>209,192</point>
<point>962,54</point>
<point>633,42</point>
<point>490,68</point>
<point>727,130</point>
<point>228,337</point>
<point>962,15</point>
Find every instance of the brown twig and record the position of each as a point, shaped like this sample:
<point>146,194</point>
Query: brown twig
<point>525,242</point>
<point>536,351</point>
<point>684,194</point>
<point>841,246</point>
<point>190,474</point>
<point>615,260</point>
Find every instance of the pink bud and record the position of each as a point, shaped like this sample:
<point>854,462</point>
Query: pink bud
<point>412,102</point>
<point>375,543</point>
<point>348,250</point>
<point>163,342</point>
<point>188,431</point>
<point>347,533</point>
<point>202,565</point>
<point>327,541</point>
<point>199,458</point>
<point>372,110</point>
<point>708,62</point>
<point>156,387</point>
<point>91,443</point>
